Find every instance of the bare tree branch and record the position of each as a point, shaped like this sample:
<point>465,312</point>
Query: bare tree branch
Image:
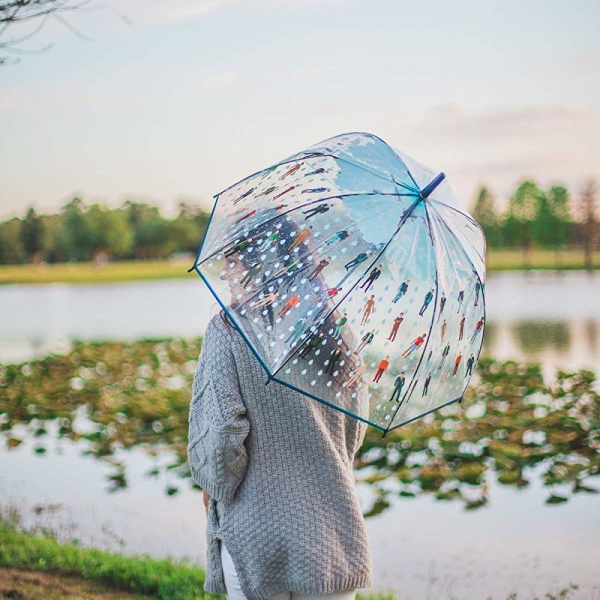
<point>15,12</point>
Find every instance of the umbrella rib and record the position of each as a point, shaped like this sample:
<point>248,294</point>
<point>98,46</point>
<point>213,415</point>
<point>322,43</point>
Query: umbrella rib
<point>407,214</point>
<point>468,218</point>
<point>478,279</point>
<point>321,154</point>
<point>409,392</point>
<point>462,214</point>
<point>459,399</point>
<point>280,215</point>
<point>234,321</point>
<point>423,415</point>
<point>458,242</point>
<point>305,393</point>
<point>287,161</point>
<point>362,166</point>
<point>267,282</point>
<point>212,212</point>
<point>410,175</point>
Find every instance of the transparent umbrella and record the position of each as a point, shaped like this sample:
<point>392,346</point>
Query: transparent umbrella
<point>355,276</point>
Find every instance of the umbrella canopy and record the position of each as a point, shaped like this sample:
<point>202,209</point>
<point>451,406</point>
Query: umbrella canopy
<point>354,275</point>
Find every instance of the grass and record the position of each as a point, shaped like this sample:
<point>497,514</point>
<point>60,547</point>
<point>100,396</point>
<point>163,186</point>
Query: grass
<point>497,260</point>
<point>34,564</point>
<point>514,259</point>
<point>38,562</point>
<point>91,273</point>
<point>40,551</point>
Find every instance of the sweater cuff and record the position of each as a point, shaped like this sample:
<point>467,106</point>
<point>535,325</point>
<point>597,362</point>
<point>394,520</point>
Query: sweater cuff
<point>219,492</point>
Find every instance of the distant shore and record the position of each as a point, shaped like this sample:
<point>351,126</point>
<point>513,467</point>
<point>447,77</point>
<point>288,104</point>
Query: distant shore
<point>497,260</point>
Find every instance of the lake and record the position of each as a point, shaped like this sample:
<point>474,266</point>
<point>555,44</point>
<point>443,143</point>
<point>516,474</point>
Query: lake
<point>421,547</point>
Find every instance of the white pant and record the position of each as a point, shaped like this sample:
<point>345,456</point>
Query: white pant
<point>234,591</point>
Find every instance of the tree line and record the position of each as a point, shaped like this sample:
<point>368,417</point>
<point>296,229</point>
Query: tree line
<point>542,218</point>
<point>534,217</point>
<point>81,232</point>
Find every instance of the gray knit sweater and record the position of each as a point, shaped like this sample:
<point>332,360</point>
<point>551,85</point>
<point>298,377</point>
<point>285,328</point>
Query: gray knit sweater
<point>278,468</point>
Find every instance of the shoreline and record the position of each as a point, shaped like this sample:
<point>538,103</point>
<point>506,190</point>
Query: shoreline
<point>157,270</point>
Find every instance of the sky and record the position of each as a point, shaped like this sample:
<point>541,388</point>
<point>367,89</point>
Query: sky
<point>170,101</point>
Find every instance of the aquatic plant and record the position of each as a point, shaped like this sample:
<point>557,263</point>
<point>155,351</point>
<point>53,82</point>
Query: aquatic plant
<point>511,426</point>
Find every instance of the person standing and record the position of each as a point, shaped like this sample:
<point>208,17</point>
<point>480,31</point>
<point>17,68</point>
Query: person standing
<point>333,292</point>
<point>339,325</point>
<point>366,339</point>
<point>296,331</point>
<point>395,326</point>
<point>477,331</point>
<point>291,303</point>
<point>252,272</point>
<point>456,363</point>
<point>461,329</point>
<point>461,297</point>
<point>322,264</point>
<point>416,343</point>
<point>272,238</point>
<point>313,341</point>
<point>398,385</point>
<point>426,302</point>
<point>356,375</point>
<point>359,258</point>
<point>302,236</point>
<point>401,290</point>
<point>442,304</point>
<point>333,359</point>
<point>478,288</point>
<point>340,236</point>
<point>369,305</point>
<point>470,363</point>
<point>238,247</point>
<point>443,329</point>
<point>383,365</point>
<point>426,385</point>
<point>445,353</point>
<point>267,456</point>
<point>373,275</point>
<point>316,210</point>
<point>265,300</point>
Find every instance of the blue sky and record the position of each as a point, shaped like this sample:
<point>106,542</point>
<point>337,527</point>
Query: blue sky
<point>191,96</point>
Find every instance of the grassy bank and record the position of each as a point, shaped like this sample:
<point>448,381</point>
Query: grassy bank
<point>497,260</point>
<point>34,564</point>
<point>38,551</point>
<point>91,273</point>
<point>514,259</point>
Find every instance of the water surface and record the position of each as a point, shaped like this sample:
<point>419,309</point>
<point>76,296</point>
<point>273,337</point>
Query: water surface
<point>421,547</point>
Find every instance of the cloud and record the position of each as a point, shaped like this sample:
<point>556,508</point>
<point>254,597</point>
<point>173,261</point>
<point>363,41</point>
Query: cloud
<point>504,123</point>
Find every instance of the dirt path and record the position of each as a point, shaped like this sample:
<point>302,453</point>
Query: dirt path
<point>28,585</point>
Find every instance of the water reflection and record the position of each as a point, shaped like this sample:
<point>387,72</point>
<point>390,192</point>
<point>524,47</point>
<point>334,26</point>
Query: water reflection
<point>113,396</point>
<point>534,336</point>
<point>556,344</point>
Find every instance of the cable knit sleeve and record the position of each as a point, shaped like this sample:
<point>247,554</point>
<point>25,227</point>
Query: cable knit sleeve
<point>218,425</point>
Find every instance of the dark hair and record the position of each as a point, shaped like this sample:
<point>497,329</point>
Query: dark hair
<point>225,319</point>
<point>324,320</point>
